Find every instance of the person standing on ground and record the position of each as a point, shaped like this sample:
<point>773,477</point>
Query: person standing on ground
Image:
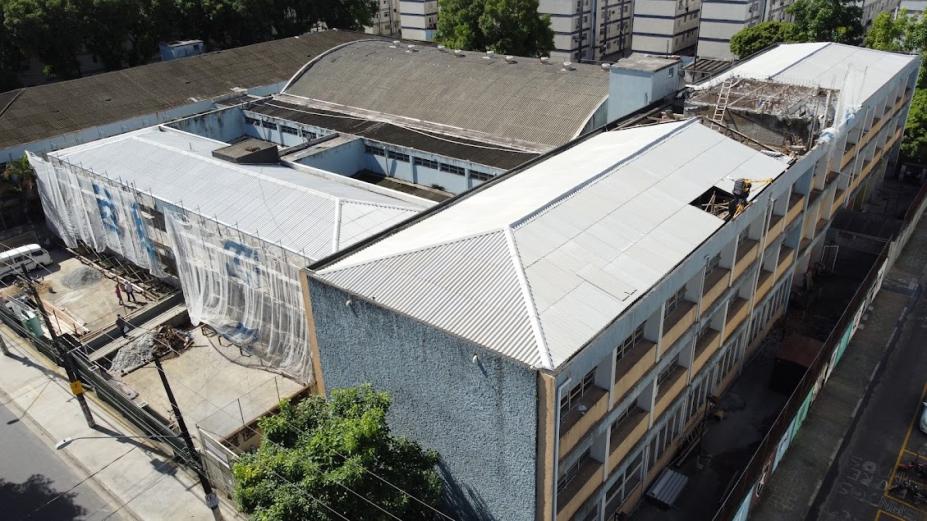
<point>130,292</point>
<point>122,326</point>
<point>119,294</point>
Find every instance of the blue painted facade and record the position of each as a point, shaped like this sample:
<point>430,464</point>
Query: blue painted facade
<point>480,415</point>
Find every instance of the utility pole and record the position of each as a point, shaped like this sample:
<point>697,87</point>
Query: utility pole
<point>66,357</point>
<point>6,351</point>
<point>212,501</point>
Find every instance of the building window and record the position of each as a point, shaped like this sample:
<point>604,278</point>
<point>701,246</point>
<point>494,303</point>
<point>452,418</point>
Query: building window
<point>480,176</point>
<point>418,161</point>
<point>397,156</point>
<point>310,135</point>
<point>251,121</point>
<point>288,130</point>
<point>629,343</point>
<point>453,169</point>
<point>571,472</point>
<point>374,151</point>
<point>268,124</point>
<point>673,302</point>
<point>569,401</point>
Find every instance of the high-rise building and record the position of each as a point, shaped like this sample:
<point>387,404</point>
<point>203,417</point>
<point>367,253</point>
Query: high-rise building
<point>386,21</point>
<point>666,26</point>
<point>419,19</point>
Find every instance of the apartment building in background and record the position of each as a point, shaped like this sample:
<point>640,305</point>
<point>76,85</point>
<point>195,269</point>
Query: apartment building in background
<point>386,19</point>
<point>419,19</point>
<point>668,27</point>
<point>589,30</point>
<point>722,19</point>
<point>555,333</point>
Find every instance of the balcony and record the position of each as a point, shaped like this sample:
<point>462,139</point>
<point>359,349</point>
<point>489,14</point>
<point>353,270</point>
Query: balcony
<point>819,227</point>
<point>576,423</point>
<point>764,284</point>
<point>708,342</point>
<point>796,204</point>
<point>776,225</point>
<point>746,254</point>
<point>581,488</point>
<point>848,155</point>
<point>626,435</point>
<point>669,389</point>
<point>715,283</point>
<point>803,245</point>
<point>839,198</point>
<point>786,258</point>
<point>677,322</point>
<point>633,366</point>
<point>815,194</point>
<point>737,311</point>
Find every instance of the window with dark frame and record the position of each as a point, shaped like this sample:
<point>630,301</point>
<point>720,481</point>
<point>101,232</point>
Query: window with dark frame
<point>629,343</point>
<point>418,161</point>
<point>453,169</point>
<point>398,156</point>
<point>673,302</point>
<point>480,176</point>
<point>571,472</point>
<point>569,401</point>
<point>376,151</point>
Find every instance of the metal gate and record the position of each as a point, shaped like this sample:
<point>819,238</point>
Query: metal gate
<point>218,460</point>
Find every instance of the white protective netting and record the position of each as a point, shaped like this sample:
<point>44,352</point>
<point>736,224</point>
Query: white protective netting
<point>85,207</point>
<point>245,288</point>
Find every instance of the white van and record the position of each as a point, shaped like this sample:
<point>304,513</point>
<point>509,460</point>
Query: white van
<point>31,256</point>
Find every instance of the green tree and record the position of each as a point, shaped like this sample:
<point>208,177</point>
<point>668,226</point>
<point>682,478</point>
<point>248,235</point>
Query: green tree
<point>889,33</point>
<point>318,451</point>
<point>49,30</point>
<point>11,58</point>
<point>914,144</point>
<point>827,21</point>
<point>19,176</point>
<point>107,26</point>
<point>503,26</point>
<point>751,40</point>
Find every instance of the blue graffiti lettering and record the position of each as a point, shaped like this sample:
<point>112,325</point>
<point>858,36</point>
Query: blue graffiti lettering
<point>240,333</point>
<point>142,234</point>
<point>237,269</point>
<point>108,213</point>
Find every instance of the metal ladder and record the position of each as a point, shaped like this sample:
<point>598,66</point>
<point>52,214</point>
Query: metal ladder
<point>724,96</point>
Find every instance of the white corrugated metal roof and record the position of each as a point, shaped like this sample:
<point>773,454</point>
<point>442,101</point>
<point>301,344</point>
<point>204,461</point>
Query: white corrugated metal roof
<point>524,100</point>
<point>536,264</point>
<point>857,72</point>
<point>314,215</point>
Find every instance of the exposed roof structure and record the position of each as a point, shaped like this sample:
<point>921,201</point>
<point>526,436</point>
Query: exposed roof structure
<point>521,99</point>
<point>644,62</point>
<point>823,64</point>
<point>536,263</point>
<point>307,213</point>
<point>44,111</point>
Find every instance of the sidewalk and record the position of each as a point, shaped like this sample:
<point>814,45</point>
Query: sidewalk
<point>136,476</point>
<point>793,488</point>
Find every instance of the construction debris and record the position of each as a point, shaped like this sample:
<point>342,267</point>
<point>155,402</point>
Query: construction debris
<point>166,342</point>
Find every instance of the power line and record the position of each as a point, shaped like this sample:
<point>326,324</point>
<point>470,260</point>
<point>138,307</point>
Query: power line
<point>222,408</point>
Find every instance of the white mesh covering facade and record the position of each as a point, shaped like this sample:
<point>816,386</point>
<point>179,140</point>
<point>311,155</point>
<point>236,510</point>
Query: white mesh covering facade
<point>241,278</point>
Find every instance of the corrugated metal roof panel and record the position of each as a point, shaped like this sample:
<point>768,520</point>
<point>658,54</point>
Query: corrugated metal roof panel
<point>621,221</point>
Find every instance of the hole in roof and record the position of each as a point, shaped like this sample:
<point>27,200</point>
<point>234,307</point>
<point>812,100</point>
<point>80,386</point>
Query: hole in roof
<point>715,201</point>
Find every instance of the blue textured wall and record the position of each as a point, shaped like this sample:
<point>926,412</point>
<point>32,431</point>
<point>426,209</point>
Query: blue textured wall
<point>481,417</point>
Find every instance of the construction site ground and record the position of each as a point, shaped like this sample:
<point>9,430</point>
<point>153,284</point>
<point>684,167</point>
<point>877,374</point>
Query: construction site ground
<point>216,386</point>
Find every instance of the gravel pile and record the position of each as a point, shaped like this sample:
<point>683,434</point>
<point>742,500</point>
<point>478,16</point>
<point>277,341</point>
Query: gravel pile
<point>81,278</point>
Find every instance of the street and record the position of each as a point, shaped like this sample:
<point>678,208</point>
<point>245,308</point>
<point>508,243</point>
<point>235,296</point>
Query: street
<point>885,435</point>
<point>37,484</point>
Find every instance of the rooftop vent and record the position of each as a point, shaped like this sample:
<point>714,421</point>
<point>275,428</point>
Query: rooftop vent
<point>249,151</point>
<point>489,55</point>
<point>442,48</point>
<point>545,60</point>
<point>606,66</point>
<point>395,44</point>
<point>458,52</point>
<point>568,66</point>
<point>411,48</point>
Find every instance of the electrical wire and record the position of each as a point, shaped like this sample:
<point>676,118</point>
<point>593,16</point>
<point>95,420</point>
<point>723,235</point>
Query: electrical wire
<point>223,409</point>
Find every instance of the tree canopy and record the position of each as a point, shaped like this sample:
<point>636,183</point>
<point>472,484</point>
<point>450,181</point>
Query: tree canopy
<point>503,26</point>
<point>754,39</point>
<point>126,32</point>
<point>812,21</point>
<point>827,21</point>
<point>336,452</point>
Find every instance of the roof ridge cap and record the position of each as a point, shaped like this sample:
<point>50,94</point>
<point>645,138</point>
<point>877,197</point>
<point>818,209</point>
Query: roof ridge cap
<point>530,307</point>
<point>333,269</point>
<point>560,199</point>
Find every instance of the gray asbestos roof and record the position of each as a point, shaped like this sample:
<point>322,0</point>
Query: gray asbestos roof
<point>45,111</point>
<point>525,101</point>
<point>537,263</point>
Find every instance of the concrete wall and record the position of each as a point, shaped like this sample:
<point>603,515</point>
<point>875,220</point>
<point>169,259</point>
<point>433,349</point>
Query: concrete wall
<point>345,159</point>
<point>630,90</point>
<point>480,416</point>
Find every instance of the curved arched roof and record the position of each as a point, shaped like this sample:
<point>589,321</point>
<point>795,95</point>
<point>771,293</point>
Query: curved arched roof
<point>525,101</point>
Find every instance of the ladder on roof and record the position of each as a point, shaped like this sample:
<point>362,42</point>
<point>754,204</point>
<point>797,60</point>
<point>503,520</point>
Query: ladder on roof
<point>724,96</point>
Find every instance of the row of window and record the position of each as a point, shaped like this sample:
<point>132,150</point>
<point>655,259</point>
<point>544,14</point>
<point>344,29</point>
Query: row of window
<point>571,399</point>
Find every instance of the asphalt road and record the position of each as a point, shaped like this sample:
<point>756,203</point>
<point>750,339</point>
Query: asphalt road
<point>36,484</point>
<point>885,433</point>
